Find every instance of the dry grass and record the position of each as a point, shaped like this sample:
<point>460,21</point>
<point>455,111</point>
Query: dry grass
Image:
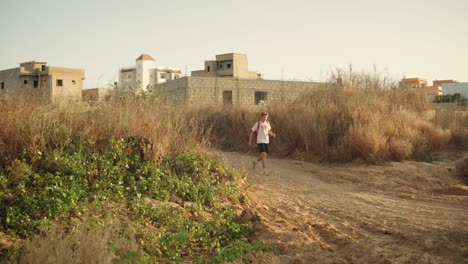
<point>374,124</point>
<point>454,119</point>
<point>82,244</point>
<point>31,125</point>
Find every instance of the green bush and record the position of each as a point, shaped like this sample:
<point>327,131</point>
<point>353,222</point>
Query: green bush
<point>180,207</point>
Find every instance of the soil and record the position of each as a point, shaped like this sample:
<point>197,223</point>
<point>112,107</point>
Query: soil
<point>400,212</point>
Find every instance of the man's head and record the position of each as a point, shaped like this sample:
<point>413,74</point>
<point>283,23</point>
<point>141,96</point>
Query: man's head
<point>264,116</point>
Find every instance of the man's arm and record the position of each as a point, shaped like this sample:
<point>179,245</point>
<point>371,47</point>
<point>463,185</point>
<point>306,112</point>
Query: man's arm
<point>271,134</point>
<point>251,137</point>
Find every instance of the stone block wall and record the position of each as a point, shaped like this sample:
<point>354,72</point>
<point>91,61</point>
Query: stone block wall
<point>208,91</point>
<point>173,92</point>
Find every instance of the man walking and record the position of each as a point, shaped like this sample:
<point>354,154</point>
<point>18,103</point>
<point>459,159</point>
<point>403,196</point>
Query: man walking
<point>262,131</point>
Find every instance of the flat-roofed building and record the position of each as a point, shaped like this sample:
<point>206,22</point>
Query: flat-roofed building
<point>39,78</point>
<point>229,65</point>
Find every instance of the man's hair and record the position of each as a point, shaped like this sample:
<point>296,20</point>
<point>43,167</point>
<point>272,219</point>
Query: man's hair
<point>264,113</point>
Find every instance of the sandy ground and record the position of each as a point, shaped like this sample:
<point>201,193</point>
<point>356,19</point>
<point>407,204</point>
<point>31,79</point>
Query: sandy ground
<point>408,212</point>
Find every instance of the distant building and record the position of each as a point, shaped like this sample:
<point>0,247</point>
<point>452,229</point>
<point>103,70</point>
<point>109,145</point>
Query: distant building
<point>227,81</point>
<point>230,65</point>
<point>413,83</point>
<point>419,84</point>
<point>456,88</point>
<point>145,74</point>
<point>37,77</point>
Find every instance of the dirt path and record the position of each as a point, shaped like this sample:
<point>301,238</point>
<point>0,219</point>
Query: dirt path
<point>408,212</point>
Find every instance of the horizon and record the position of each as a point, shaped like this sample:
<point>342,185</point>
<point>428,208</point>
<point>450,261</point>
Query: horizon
<point>290,41</point>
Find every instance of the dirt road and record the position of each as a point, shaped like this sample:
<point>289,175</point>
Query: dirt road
<point>409,212</point>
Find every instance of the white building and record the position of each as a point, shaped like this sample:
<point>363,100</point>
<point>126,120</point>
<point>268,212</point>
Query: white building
<point>145,75</point>
<point>456,88</point>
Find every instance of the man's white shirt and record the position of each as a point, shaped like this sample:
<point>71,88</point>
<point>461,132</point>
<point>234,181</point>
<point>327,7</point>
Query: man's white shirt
<point>262,133</point>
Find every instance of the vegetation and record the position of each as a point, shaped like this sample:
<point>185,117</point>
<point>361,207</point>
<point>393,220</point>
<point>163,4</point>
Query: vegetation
<point>369,118</point>
<point>133,179</point>
<point>449,98</point>
<point>65,172</point>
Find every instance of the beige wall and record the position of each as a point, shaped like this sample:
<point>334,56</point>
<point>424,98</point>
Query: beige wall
<point>72,83</point>
<point>205,91</point>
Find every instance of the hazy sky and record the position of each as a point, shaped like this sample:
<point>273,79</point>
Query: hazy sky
<point>294,39</point>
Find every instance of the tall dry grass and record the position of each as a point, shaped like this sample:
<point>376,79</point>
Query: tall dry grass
<point>374,121</point>
<point>455,119</point>
<point>83,243</point>
<point>31,126</point>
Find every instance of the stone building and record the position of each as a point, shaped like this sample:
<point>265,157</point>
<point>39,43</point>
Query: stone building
<point>214,91</point>
<point>36,77</point>
<point>230,65</point>
<point>145,74</point>
<point>227,81</point>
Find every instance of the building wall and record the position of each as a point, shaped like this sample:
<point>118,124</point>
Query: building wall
<point>208,91</point>
<point>9,78</point>
<point>145,72</point>
<point>127,78</point>
<point>72,83</point>
<point>454,88</point>
<point>174,92</point>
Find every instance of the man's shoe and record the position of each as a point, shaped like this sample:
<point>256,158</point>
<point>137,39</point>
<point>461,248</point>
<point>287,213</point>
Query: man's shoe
<point>266,172</point>
<point>254,164</point>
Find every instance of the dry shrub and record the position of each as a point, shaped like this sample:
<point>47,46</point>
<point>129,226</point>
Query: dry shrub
<point>83,244</point>
<point>31,126</point>
<point>454,119</point>
<point>341,125</point>
<point>461,168</point>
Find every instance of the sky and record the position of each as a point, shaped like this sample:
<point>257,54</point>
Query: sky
<point>289,40</point>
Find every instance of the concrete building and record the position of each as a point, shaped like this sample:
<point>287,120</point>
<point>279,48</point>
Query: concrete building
<point>145,74</point>
<point>36,77</point>
<point>230,65</point>
<point>209,91</point>
<point>419,84</point>
<point>456,88</point>
<point>413,83</point>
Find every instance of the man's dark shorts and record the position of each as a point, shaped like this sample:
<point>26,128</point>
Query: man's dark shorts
<point>263,147</point>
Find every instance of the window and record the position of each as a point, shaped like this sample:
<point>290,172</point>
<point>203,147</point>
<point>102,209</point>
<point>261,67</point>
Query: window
<point>25,81</point>
<point>260,98</point>
<point>176,76</point>
<point>229,65</point>
<point>36,84</point>
<point>208,68</point>
<point>43,67</point>
<point>129,76</point>
<point>227,97</point>
<point>59,82</point>
<point>220,66</point>
<point>73,81</point>
<point>162,76</point>
<point>2,85</point>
